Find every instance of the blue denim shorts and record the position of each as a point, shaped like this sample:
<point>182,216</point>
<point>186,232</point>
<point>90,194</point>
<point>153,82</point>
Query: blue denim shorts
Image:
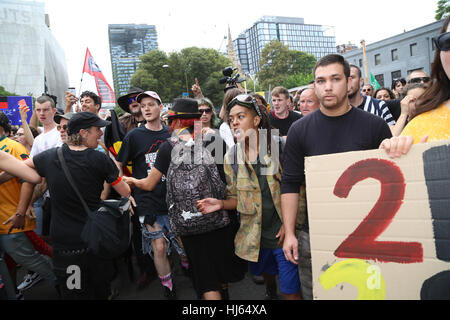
<point>165,232</point>
<point>273,261</point>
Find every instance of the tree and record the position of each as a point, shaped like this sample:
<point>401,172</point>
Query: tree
<point>5,93</point>
<point>172,74</point>
<point>443,9</point>
<point>278,62</point>
<point>297,80</point>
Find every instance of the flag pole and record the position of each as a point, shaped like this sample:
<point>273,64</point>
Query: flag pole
<point>363,42</point>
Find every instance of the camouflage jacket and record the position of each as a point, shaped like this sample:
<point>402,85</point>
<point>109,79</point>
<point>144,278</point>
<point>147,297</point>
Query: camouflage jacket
<point>245,188</point>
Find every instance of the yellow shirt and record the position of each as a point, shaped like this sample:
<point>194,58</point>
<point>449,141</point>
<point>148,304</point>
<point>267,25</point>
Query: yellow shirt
<point>434,123</point>
<point>10,191</point>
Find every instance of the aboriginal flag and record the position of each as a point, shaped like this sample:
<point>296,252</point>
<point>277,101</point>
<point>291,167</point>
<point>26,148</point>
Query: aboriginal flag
<point>114,134</point>
<point>103,88</point>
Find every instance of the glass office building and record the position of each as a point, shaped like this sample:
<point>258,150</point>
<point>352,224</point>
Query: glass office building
<point>317,40</point>
<point>127,42</point>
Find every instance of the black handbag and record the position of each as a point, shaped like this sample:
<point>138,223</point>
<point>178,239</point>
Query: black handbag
<point>106,232</point>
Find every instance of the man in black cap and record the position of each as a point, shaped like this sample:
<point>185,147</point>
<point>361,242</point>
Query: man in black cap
<point>62,124</point>
<point>89,169</point>
<point>133,117</point>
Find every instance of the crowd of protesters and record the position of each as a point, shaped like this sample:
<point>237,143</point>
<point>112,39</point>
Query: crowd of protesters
<point>225,191</point>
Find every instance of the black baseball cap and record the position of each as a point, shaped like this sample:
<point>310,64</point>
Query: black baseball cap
<point>84,120</point>
<point>67,116</point>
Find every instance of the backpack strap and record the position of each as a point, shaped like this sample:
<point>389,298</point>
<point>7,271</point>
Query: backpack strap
<point>70,179</point>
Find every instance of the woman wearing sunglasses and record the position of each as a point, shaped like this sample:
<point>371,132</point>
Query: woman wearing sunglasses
<point>253,188</point>
<point>432,114</point>
<point>209,118</point>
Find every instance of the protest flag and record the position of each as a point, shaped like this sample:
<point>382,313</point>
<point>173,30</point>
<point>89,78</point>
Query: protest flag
<point>374,82</point>
<point>114,134</point>
<point>103,88</point>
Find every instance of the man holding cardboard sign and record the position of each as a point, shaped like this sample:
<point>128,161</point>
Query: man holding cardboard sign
<point>336,127</point>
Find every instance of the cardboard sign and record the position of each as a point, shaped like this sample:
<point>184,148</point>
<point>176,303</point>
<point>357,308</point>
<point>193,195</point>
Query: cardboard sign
<point>380,227</point>
<point>10,107</point>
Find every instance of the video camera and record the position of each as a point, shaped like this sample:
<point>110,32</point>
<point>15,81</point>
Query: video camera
<point>229,79</point>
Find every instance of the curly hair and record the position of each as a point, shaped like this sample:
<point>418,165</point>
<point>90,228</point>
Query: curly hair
<point>4,123</point>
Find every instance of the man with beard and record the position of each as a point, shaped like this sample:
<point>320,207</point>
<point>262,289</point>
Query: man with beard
<point>133,117</point>
<point>366,102</point>
<point>335,127</point>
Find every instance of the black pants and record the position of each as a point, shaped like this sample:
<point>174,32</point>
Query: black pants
<point>82,276</point>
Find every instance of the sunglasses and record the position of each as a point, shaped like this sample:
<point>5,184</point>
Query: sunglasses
<point>59,127</point>
<point>420,79</point>
<point>207,111</point>
<point>245,100</point>
<point>443,42</point>
<point>130,100</point>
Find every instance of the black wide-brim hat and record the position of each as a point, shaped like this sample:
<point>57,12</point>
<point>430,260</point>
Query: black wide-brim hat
<point>184,108</point>
<point>123,100</point>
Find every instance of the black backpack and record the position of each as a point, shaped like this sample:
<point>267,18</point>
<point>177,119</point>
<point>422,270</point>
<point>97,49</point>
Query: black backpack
<point>193,176</point>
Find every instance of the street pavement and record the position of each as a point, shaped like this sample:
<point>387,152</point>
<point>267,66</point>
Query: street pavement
<point>127,289</point>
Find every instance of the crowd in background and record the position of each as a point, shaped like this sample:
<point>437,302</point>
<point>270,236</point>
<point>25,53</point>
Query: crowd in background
<point>240,208</point>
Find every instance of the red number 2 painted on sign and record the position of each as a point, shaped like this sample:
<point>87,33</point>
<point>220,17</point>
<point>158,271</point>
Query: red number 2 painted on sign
<point>362,242</point>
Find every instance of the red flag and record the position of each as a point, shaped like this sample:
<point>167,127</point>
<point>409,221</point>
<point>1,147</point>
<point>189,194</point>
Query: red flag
<point>103,88</point>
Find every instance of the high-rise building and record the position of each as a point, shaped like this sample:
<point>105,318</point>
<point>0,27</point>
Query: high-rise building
<point>397,56</point>
<point>317,40</point>
<point>127,42</point>
<point>31,60</point>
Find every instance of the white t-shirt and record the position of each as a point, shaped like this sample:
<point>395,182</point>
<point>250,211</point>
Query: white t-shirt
<point>46,141</point>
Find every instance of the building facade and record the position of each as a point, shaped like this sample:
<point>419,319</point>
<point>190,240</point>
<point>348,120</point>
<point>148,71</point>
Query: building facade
<point>31,60</point>
<point>317,40</point>
<point>397,56</point>
<point>127,42</point>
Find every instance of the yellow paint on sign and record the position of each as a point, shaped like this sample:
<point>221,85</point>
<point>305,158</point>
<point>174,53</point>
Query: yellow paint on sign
<point>365,277</point>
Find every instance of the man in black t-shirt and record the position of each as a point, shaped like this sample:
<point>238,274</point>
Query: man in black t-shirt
<point>140,146</point>
<point>281,117</point>
<point>335,127</point>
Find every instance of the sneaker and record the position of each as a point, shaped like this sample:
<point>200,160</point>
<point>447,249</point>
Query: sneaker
<point>29,280</point>
<point>19,296</point>
<point>170,294</point>
<point>114,293</point>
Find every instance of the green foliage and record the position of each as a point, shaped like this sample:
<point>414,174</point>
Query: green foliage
<point>181,69</point>
<point>278,63</point>
<point>5,93</point>
<point>443,9</point>
<point>297,80</point>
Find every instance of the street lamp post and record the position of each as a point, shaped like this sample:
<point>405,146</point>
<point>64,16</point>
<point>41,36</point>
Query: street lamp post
<point>254,85</point>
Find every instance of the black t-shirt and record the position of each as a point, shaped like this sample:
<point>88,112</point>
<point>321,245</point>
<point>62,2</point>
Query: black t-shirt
<point>141,146</point>
<point>394,107</point>
<point>283,125</point>
<point>89,169</point>
<point>318,134</point>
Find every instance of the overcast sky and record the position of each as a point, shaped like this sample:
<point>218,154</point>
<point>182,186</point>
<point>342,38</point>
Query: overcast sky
<point>204,23</point>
